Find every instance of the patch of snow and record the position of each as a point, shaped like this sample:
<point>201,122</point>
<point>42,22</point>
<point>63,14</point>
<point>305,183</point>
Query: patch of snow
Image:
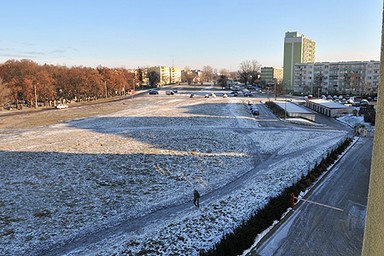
<point>67,180</point>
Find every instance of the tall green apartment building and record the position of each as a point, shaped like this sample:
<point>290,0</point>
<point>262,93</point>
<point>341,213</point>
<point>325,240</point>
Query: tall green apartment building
<point>297,49</point>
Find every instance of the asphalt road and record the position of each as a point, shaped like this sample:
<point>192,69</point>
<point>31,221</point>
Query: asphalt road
<point>317,230</point>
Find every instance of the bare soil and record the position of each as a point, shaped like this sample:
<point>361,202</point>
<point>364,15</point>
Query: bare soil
<point>30,117</point>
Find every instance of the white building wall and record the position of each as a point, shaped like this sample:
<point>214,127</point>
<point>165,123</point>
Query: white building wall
<point>355,77</point>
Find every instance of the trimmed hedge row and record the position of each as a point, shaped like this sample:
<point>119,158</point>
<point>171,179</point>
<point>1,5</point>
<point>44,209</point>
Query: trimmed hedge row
<point>244,235</point>
<point>278,111</point>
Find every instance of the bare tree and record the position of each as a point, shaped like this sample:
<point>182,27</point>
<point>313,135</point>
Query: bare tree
<point>5,93</point>
<point>188,75</point>
<point>207,75</point>
<point>318,84</point>
<point>223,81</point>
<point>278,87</point>
<point>249,71</point>
<point>225,72</point>
<point>153,76</point>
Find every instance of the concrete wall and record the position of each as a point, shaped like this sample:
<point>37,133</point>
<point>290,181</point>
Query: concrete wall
<point>311,117</point>
<point>374,228</point>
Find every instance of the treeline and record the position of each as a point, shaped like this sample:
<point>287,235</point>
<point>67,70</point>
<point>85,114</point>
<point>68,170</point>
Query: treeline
<point>25,81</point>
<point>243,237</point>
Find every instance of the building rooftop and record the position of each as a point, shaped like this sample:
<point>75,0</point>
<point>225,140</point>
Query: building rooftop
<point>328,104</point>
<point>292,107</point>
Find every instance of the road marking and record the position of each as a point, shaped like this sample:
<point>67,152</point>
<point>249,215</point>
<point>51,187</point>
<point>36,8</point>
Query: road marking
<point>328,206</point>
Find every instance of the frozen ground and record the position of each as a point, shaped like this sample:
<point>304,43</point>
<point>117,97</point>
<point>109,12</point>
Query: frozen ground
<point>68,180</point>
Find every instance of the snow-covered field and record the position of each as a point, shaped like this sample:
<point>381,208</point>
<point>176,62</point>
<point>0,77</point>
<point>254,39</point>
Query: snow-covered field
<point>68,180</point>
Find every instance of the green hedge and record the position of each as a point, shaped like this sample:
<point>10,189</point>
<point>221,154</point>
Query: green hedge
<point>244,235</point>
<point>278,111</point>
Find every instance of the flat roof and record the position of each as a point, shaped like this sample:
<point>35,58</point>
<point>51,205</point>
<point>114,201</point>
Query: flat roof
<point>328,104</point>
<point>292,107</point>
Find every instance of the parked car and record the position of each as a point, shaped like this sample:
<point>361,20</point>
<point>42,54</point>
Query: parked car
<point>169,92</point>
<point>254,110</point>
<point>364,102</point>
<point>61,106</point>
<point>248,94</point>
<point>153,92</point>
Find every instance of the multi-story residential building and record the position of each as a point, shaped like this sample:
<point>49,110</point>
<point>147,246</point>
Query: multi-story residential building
<point>353,78</point>
<point>270,75</point>
<point>297,49</point>
<point>165,75</point>
<point>175,75</point>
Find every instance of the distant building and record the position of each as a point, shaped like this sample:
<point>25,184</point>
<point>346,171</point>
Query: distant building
<point>328,108</point>
<point>175,75</point>
<point>352,77</point>
<point>270,75</point>
<point>297,49</point>
<point>165,75</point>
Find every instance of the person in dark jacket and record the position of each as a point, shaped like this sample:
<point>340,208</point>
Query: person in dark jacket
<point>196,197</point>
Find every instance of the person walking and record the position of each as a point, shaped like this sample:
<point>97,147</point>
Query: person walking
<point>196,198</point>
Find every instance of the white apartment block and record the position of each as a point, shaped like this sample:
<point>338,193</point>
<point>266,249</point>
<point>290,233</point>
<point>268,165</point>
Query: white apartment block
<point>175,74</point>
<point>353,78</point>
<point>165,77</point>
<point>169,75</point>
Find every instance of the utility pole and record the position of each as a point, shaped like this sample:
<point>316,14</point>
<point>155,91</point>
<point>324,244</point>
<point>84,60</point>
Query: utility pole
<point>105,86</point>
<point>35,95</point>
<point>275,89</point>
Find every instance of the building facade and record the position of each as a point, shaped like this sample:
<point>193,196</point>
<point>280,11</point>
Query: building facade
<point>270,75</point>
<point>175,75</point>
<point>165,75</point>
<point>297,49</point>
<point>353,78</point>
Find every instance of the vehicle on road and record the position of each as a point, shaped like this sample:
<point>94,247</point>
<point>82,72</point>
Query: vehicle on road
<point>254,110</point>
<point>248,94</point>
<point>153,92</point>
<point>169,92</point>
<point>61,106</point>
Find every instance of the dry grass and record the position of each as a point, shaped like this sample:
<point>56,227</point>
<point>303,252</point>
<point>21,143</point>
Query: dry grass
<point>29,118</point>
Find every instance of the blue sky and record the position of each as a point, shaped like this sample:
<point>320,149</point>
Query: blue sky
<point>220,33</point>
